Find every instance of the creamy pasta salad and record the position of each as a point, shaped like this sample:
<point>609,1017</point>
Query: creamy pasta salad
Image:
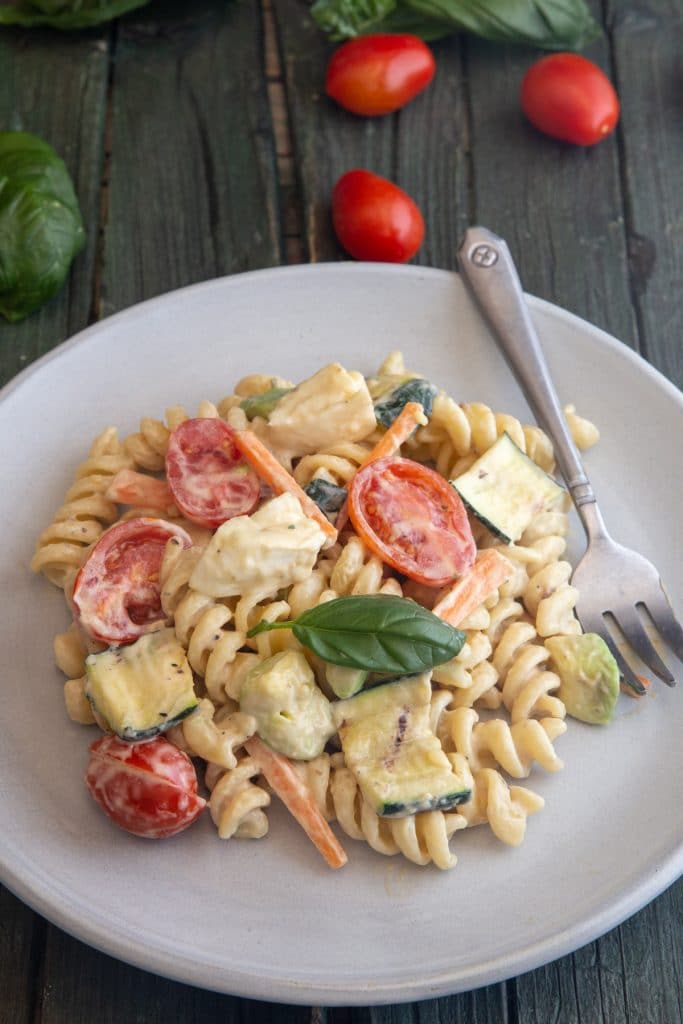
<point>349,594</point>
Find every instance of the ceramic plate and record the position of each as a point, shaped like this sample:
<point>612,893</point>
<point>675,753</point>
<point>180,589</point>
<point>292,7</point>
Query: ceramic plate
<point>268,919</point>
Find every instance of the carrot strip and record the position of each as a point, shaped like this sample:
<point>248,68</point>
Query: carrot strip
<point>277,477</point>
<point>131,488</point>
<point>411,416</point>
<point>488,573</point>
<point>298,800</point>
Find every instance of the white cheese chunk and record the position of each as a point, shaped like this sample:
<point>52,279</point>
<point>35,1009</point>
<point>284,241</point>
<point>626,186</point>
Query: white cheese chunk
<point>331,407</point>
<point>261,553</point>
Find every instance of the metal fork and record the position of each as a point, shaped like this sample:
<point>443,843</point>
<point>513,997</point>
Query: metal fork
<point>616,585</point>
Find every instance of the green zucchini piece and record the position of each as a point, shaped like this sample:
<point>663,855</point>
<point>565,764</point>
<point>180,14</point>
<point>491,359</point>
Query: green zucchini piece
<point>589,676</point>
<point>417,389</point>
<point>328,497</point>
<point>292,714</point>
<point>142,689</point>
<point>264,403</point>
<point>344,682</point>
<point>505,489</point>
<point>397,760</point>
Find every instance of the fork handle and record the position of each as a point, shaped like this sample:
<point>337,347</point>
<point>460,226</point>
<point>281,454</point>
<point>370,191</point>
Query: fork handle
<point>488,269</point>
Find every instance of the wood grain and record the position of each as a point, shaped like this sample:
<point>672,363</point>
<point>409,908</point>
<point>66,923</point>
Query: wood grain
<point>192,181</point>
<point>647,43</point>
<point>59,93</point>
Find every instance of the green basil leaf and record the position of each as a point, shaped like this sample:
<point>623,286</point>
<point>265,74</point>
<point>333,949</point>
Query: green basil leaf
<point>342,19</point>
<point>41,230</point>
<point>64,14</point>
<point>264,403</point>
<point>375,633</point>
<point>549,24</point>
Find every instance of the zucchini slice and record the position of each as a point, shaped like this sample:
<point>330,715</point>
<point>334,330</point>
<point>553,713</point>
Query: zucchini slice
<point>505,489</point>
<point>328,497</point>
<point>142,689</point>
<point>415,389</point>
<point>397,760</point>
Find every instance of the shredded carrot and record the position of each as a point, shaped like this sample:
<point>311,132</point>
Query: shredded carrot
<point>489,572</point>
<point>282,482</point>
<point>297,798</point>
<point>411,416</point>
<point>131,488</point>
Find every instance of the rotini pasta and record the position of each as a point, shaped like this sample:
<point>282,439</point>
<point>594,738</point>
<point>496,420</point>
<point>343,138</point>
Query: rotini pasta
<point>490,711</point>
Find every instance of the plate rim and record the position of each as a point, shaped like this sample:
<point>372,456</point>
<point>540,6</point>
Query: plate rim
<point>54,905</point>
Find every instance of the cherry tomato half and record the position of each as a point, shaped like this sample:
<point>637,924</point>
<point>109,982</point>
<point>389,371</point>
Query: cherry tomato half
<point>570,98</point>
<point>375,219</point>
<point>413,519</point>
<point>149,789</point>
<point>116,594</point>
<point>378,74</point>
<point>207,475</point>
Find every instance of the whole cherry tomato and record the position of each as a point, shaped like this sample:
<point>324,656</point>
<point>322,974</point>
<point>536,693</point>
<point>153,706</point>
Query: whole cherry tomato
<point>570,98</point>
<point>375,219</point>
<point>116,595</point>
<point>207,476</point>
<point>378,74</point>
<point>413,519</point>
<point>149,789</point>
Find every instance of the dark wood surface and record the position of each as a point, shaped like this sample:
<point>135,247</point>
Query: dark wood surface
<point>201,144</point>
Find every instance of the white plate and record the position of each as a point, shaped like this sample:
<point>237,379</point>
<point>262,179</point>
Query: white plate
<point>268,920</point>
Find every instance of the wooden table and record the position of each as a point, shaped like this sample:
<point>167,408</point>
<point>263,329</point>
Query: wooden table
<point>201,144</point>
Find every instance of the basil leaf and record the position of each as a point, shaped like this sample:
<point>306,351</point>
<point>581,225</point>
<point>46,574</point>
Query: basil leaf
<point>375,633</point>
<point>40,224</point>
<point>64,14</point>
<point>549,24</point>
<point>264,403</point>
<point>342,19</point>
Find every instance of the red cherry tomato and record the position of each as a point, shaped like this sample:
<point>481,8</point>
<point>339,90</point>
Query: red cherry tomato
<point>207,475</point>
<point>413,519</point>
<point>570,98</point>
<point>377,74</point>
<point>149,789</point>
<point>116,594</point>
<point>374,219</point>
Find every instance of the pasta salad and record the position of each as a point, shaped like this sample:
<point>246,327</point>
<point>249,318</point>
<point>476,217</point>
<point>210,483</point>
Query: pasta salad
<point>349,594</point>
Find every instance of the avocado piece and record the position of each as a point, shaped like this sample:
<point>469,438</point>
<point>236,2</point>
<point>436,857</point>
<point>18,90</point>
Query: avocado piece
<point>589,676</point>
<point>344,682</point>
<point>505,489</point>
<point>292,714</point>
<point>398,762</point>
<point>142,689</point>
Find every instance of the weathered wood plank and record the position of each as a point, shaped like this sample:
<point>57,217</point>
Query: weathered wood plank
<point>327,140</point>
<point>192,184</point>
<point>84,986</point>
<point>647,43</point>
<point>558,206</point>
<point>21,950</point>
<point>57,90</point>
